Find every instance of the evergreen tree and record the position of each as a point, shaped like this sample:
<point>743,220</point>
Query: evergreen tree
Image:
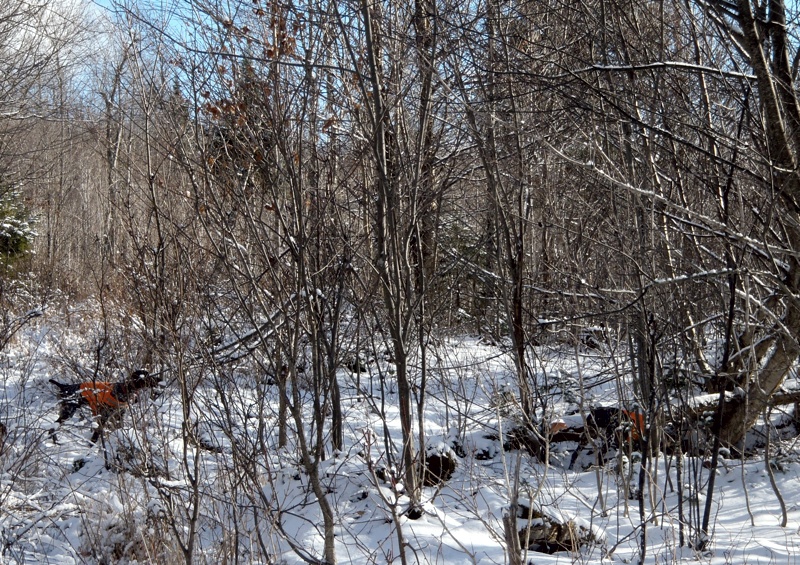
<point>16,226</point>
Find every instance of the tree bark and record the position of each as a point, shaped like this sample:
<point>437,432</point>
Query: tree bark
<point>776,91</point>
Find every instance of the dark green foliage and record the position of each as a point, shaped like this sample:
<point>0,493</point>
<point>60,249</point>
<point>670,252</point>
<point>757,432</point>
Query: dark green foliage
<point>16,227</point>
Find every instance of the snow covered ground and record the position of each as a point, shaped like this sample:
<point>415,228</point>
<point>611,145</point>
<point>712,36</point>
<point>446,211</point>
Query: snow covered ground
<point>144,494</point>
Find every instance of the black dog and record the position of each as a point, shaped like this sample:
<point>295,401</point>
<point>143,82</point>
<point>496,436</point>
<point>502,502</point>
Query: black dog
<point>613,427</point>
<point>106,400</point>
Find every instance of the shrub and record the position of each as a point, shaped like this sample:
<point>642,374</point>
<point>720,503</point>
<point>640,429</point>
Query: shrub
<point>16,226</point>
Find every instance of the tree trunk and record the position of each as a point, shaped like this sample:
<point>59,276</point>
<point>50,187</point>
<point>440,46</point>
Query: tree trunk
<point>767,49</point>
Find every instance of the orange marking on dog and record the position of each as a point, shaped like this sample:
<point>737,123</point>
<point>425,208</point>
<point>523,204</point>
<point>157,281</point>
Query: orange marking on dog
<point>99,396</point>
<point>638,428</point>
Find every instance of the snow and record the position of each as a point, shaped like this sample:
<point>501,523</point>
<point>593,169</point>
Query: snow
<point>74,502</point>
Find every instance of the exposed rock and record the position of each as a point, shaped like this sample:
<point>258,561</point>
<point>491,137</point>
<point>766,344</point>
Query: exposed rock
<point>546,534</point>
<point>440,464</point>
<point>415,512</point>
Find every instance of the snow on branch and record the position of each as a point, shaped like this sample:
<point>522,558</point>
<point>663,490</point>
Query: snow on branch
<point>658,65</point>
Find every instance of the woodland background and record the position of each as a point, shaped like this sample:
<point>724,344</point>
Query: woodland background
<point>288,189</point>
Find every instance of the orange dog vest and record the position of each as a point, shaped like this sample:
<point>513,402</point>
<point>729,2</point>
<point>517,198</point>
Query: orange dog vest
<point>637,419</point>
<point>99,396</point>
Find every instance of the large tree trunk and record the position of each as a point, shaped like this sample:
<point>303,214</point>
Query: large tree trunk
<point>740,413</point>
<point>766,45</point>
